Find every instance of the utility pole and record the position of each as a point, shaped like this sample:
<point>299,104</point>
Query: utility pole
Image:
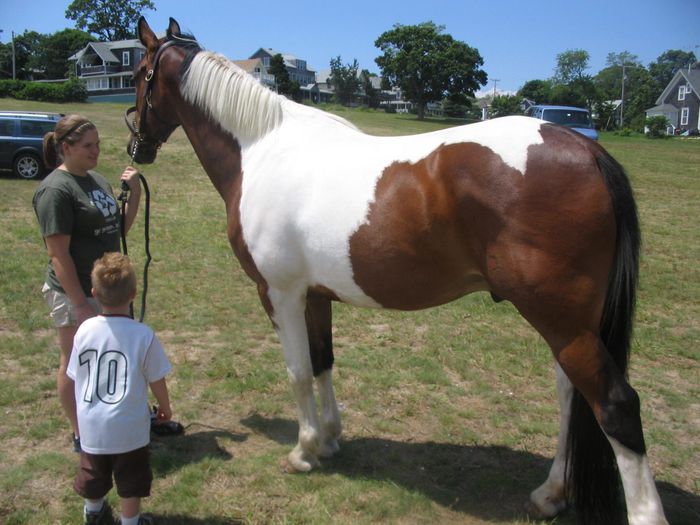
<point>495,83</point>
<point>13,53</point>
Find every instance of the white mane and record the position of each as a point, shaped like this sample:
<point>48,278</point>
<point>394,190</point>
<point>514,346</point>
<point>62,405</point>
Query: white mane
<point>233,98</point>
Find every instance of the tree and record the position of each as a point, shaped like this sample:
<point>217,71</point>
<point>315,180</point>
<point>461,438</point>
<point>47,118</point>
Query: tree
<point>428,65</point>
<point>663,69</point>
<point>503,105</point>
<point>539,91</point>
<point>26,45</point>
<point>109,20</point>
<point>571,66</point>
<point>285,85</point>
<point>52,55</point>
<point>344,80</point>
<point>372,94</point>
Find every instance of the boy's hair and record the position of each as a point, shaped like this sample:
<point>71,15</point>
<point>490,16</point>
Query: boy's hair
<point>114,279</point>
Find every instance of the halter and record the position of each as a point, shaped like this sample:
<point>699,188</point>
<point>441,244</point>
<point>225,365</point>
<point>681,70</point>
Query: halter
<point>140,139</point>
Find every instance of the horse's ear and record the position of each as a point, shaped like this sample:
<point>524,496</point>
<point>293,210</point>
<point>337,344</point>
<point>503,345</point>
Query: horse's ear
<point>173,27</point>
<point>146,35</point>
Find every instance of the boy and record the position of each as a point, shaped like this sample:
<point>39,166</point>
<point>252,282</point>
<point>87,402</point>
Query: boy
<point>113,361</point>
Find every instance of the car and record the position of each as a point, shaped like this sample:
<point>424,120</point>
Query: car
<point>21,141</point>
<point>578,119</point>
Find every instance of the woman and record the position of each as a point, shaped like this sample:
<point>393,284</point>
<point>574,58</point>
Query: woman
<point>79,220</point>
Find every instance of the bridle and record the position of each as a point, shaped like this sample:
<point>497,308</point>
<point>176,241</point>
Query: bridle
<point>140,140</point>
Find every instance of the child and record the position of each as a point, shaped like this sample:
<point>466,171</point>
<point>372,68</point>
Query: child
<point>113,361</point>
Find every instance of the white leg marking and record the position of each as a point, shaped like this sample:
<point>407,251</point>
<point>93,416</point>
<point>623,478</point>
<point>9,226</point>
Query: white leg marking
<point>291,326</point>
<point>643,502</point>
<point>330,417</point>
<point>549,499</point>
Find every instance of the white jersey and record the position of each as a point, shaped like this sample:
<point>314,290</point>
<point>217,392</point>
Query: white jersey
<point>114,359</point>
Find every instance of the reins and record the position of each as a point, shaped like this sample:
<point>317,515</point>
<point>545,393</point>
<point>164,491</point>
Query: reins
<point>123,197</point>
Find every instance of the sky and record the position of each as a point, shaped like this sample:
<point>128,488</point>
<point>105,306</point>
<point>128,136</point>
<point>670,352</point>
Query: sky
<point>519,40</point>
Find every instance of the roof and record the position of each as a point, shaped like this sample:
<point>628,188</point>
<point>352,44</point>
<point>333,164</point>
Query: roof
<point>289,59</point>
<point>248,65</point>
<point>663,108</point>
<point>691,76</point>
<point>104,49</point>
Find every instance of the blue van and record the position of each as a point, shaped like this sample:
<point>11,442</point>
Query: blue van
<point>577,119</point>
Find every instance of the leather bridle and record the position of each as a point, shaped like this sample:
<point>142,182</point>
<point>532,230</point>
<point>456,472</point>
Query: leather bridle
<point>141,142</point>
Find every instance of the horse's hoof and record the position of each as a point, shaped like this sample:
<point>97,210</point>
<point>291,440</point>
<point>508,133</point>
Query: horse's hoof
<point>296,462</point>
<point>546,511</point>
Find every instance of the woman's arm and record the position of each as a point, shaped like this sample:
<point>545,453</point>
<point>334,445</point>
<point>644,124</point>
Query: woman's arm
<point>131,177</point>
<point>58,248</point>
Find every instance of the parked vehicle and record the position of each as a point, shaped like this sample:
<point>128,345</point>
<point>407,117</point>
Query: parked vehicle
<point>577,119</point>
<point>21,141</point>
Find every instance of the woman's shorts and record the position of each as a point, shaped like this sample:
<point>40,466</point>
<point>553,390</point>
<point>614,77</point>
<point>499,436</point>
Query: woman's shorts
<point>62,310</point>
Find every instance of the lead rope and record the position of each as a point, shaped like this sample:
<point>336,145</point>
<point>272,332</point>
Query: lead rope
<point>123,197</point>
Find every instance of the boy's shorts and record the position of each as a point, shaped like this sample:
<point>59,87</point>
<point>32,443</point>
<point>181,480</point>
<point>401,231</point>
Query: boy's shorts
<point>62,310</point>
<point>131,470</point>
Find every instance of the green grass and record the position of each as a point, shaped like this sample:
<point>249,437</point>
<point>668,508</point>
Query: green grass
<point>458,429</point>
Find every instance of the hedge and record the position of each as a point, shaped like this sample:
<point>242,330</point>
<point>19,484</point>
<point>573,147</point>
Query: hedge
<point>71,91</point>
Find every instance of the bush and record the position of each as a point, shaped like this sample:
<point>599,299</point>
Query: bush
<point>71,91</point>
<point>656,127</point>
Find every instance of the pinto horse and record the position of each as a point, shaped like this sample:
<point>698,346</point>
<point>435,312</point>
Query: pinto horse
<point>319,212</point>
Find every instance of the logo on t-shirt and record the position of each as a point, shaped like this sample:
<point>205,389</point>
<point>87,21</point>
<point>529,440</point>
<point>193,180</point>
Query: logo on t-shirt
<point>103,202</point>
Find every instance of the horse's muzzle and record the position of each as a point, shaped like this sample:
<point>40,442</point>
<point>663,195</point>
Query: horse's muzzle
<point>142,152</point>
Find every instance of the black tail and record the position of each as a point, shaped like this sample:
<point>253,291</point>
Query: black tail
<point>593,480</point>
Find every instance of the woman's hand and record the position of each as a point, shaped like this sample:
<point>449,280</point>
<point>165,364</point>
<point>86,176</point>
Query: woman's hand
<point>131,177</point>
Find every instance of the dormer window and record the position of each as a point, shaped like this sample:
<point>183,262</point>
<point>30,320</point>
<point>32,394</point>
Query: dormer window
<point>125,58</point>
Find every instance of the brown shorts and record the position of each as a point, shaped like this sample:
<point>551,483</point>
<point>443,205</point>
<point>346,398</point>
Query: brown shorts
<point>131,470</point>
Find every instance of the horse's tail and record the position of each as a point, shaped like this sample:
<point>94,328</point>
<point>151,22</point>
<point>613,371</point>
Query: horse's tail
<point>592,475</point>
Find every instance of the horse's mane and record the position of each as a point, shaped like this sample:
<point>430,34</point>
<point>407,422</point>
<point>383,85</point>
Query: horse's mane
<point>230,96</point>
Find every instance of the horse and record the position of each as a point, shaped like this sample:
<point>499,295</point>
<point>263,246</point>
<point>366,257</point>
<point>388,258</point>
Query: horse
<point>318,212</point>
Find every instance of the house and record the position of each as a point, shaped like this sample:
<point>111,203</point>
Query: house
<point>680,102</point>
<point>256,68</point>
<point>297,68</point>
<point>108,67</point>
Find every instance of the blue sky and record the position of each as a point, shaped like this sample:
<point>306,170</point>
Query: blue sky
<point>519,40</point>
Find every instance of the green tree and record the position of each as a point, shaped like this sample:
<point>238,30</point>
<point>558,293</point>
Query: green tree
<point>372,94</point>
<point>285,85</point>
<point>52,55</point>
<point>504,105</point>
<point>344,80</point>
<point>109,20</point>
<point>666,65</point>
<point>571,66</point>
<point>26,45</point>
<point>429,65</point>
<point>539,91</point>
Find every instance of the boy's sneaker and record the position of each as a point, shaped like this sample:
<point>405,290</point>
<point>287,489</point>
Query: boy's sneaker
<point>102,517</point>
<point>76,444</point>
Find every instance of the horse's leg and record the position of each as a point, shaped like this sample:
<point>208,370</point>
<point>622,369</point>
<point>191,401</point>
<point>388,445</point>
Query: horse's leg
<point>287,313</point>
<point>319,327</point>
<point>549,499</point>
<point>615,405</point>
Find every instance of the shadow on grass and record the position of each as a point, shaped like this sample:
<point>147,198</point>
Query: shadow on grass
<point>170,453</point>
<point>185,520</point>
<point>489,482</point>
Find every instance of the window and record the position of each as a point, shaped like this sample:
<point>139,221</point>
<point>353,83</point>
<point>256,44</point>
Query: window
<point>266,61</point>
<point>684,116</point>
<point>688,89</point>
<point>681,92</point>
<point>125,58</point>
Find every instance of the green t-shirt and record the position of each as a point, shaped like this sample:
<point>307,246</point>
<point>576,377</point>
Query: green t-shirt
<point>85,209</point>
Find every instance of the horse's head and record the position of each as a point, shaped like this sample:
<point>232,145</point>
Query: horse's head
<point>154,117</point>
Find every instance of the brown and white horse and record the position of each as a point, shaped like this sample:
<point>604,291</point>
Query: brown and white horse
<point>319,212</point>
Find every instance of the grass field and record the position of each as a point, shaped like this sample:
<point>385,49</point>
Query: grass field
<point>459,429</point>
